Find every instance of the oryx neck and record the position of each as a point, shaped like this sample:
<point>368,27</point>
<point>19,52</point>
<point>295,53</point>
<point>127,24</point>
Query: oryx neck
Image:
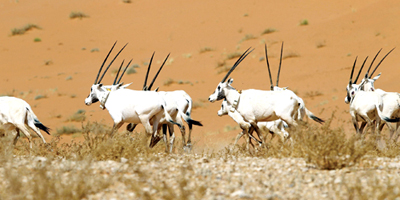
<point>103,98</point>
<point>233,98</point>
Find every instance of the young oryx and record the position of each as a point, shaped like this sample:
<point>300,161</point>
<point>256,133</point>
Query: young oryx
<point>16,114</point>
<point>131,106</point>
<point>391,100</point>
<point>365,106</point>
<point>273,127</point>
<point>257,105</point>
<point>302,111</point>
<point>177,104</point>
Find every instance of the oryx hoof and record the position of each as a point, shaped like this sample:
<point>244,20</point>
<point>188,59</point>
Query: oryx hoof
<point>188,148</point>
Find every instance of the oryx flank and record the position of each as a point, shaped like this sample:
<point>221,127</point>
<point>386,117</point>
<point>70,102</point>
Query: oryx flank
<point>302,111</point>
<point>17,115</point>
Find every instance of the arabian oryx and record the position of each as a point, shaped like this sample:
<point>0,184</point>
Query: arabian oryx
<point>178,105</point>
<point>16,114</point>
<point>183,102</point>
<point>391,100</point>
<point>257,105</point>
<point>365,106</point>
<point>131,106</point>
<point>302,111</point>
<point>273,127</point>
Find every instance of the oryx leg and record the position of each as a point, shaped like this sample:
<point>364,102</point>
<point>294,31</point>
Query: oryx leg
<point>258,131</point>
<point>171,137</point>
<point>165,138</point>
<point>130,127</point>
<point>24,130</point>
<point>115,128</point>
<point>182,129</point>
<point>189,141</point>
<point>16,131</point>
<point>397,131</point>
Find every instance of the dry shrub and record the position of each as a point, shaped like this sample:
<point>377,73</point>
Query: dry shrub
<point>328,148</point>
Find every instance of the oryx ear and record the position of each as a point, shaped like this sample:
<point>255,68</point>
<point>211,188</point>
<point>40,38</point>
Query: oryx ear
<point>230,81</point>
<point>156,90</point>
<point>100,85</point>
<point>376,77</point>
<point>126,85</point>
<point>285,88</point>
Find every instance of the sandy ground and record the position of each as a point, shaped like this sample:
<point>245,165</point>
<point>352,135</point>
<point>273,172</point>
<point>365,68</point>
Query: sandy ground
<point>318,56</point>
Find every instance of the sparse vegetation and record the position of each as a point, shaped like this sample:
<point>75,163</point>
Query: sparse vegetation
<point>304,22</point>
<point>170,81</point>
<point>23,30</point>
<point>40,96</point>
<point>95,50</point>
<point>290,54</point>
<point>76,14</point>
<point>233,55</point>
<point>321,44</point>
<point>131,70</point>
<point>313,94</point>
<point>248,37</point>
<point>206,49</point>
<point>268,31</point>
<point>67,130</point>
<point>78,116</point>
<point>36,39</point>
<point>320,161</point>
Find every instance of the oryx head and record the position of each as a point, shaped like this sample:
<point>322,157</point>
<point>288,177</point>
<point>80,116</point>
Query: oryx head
<point>219,92</point>
<point>274,88</point>
<point>367,83</point>
<point>97,88</point>
<point>352,88</point>
<point>224,108</point>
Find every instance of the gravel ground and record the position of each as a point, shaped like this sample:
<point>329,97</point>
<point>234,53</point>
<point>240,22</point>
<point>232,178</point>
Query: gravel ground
<point>216,177</point>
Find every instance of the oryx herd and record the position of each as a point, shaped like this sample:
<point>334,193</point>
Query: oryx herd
<point>276,111</point>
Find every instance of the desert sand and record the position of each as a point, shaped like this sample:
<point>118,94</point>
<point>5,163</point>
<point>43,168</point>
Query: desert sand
<point>318,56</point>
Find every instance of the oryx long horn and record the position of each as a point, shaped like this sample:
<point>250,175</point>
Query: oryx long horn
<point>101,78</point>
<point>119,69</point>
<point>269,70</point>
<point>359,72</point>
<point>124,71</point>
<point>147,73</point>
<point>154,79</point>
<point>373,61</point>
<point>98,73</point>
<point>352,70</point>
<point>280,64</point>
<point>247,52</point>
<point>380,62</point>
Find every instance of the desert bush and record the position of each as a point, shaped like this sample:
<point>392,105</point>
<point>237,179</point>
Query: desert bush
<point>268,31</point>
<point>78,116</point>
<point>23,30</point>
<point>75,14</point>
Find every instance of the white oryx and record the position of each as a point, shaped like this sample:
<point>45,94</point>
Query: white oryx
<point>16,114</point>
<point>257,105</point>
<point>178,105</point>
<point>391,100</point>
<point>273,127</point>
<point>365,106</point>
<point>130,106</point>
<point>302,111</point>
